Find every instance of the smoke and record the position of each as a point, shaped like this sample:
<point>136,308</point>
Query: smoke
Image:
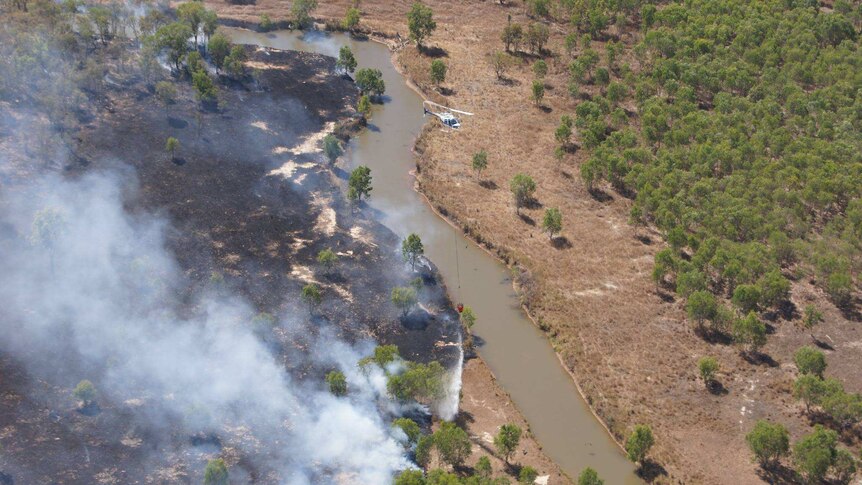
<point>92,285</point>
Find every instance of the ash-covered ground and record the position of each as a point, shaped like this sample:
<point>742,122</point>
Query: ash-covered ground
<point>147,275</point>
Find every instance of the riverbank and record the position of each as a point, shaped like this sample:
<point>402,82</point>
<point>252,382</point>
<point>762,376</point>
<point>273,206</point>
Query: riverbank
<point>385,148</point>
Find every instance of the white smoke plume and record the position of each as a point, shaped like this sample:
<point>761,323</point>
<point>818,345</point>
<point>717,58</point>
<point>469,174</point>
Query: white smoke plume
<point>96,286</point>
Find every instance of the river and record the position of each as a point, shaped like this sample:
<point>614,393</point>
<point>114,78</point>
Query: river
<point>515,350</point>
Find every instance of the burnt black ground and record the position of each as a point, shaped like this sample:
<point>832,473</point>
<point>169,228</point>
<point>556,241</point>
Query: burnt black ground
<point>227,216</point>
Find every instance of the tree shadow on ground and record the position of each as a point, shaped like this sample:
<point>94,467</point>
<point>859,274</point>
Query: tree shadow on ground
<point>665,296</point>
<point>716,388</point>
<point>333,277</point>
<point>533,203</point>
<point>508,81</point>
<point>446,91</point>
<point>177,123</point>
<point>91,409</point>
<point>529,220</point>
<point>600,195</point>
<point>823,345</point>
<point>464,418</point>
<point>650,471</point>
<point>645,240</point>
<point>416,319</point>
<point>561,242</point>
<point>180,161</point>
<point>759,358</point>
<point>546,109</point>
<point>778,474</point>
<point>434,52</point>
<point>488,184</point>
<point>205,439</point>
<point>850,311</point>
<point>711,336</point>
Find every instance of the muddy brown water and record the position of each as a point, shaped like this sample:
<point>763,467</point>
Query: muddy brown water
<point>516,351</point>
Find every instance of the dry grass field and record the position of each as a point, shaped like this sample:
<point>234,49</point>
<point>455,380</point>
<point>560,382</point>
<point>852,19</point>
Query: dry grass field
<point>629,344</point>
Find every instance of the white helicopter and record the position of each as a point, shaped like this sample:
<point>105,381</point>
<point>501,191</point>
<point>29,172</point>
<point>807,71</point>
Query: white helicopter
<point>444,113</point>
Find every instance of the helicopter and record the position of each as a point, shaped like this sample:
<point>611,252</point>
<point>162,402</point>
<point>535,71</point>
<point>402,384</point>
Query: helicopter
<point>444,113</point>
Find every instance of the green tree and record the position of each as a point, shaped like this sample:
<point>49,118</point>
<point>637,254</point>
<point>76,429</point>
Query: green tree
<point>205,90</point>
<point>166,92</point>
<point>218,47</point>
<point>85,392</point>
<point>420,23</point>
<point>337,383</point>
<point>173,38</point>
<point>512,36</point>
<point>768,442</point>
<point>234,63</point>
<point>811,318</point>
<point>810,389</point>
<point>810,361</point>
<point>452,443</point>
<point>171,146</point>
<point>420,382</point>
<point>422,453</point>
<point>552,222</point>
<point>538,92</point>
<point>192,14</point>
<point>750,331</point>
<point>815,453</point>
<point>589,477</point>
<point>410,429</point>
<point>527,475</point>
<point>364,105</point>
<point>507,440</point>
<point>483,468</point>
<point>708,367</point>
<point>327,258</point>
<point>500,61</point>
<point>331,148</point>
<point>301,11</point>
<point>359,183</point>
<point>412,249</point>
<point>468,317</point>
<point>410,477</point>
<point>404,298</point>
<point>370,81</point>
<point>216,473</point>
<point>346,60</point>
<point>563,134</point>
<point>537,36</point>
<point>266,23</point>
<point>438,71</point>
<point>700,306</point>
<point>351,19</point>
<point>639,443</point>
<point>844,467</point>
<point>480,162</point>
<point>746,297</point>
<point>540,69</point>
<point>774,288</point>
<point>311,295</point>
<point>383,355</point>
<point>523,187</point>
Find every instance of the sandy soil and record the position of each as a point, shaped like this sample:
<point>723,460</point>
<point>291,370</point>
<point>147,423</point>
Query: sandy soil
<point>629,344</point>
<point>484,408</point>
